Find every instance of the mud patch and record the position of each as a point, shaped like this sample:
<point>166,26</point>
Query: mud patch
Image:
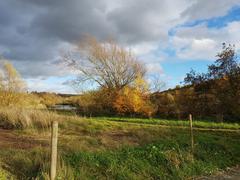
<point>10,139</point>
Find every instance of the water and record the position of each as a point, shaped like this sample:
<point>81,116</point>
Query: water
<point>63,107</point>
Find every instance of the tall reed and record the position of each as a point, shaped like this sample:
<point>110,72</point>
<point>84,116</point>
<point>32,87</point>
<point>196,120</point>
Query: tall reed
<point>20,118</point>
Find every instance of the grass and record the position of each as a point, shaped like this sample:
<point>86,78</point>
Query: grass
<point>34,164</point>
<point>5,175</point>
<point>19,118</point>
<point>113,148</point>
<point>163,159</point>
<point>184,123</point>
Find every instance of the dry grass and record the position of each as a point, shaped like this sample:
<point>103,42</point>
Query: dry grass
<point>19,118</point>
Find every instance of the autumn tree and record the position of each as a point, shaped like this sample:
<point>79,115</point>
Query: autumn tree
<point>226,85</point>
<point>10,79</point>
<point>134,100</point>
<point>166,104</point>
<point>96,102</point>
<point>222,80</point>
<point>11,85</point>
<point>118,74</point>
<point>105,63</point>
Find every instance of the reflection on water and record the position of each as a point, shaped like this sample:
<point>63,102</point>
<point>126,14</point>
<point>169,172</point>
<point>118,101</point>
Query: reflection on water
<point>63,107</point>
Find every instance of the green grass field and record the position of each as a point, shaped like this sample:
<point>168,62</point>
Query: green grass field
<point>121,148</point>
<point>179,123</point>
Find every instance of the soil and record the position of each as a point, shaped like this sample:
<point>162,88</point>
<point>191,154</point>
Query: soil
<point>9,139</point>
<point>229,174</point>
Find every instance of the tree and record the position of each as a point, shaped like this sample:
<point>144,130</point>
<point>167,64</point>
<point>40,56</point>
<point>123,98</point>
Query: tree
<point>166,104</point>
<point>11,80</point>
<point>156,84</point>
<point>11,85</point>
<point>226,64</point>
<point>105,63</point>
<point>222,80</point>
<point>225,75</point>
<point>134,100</point>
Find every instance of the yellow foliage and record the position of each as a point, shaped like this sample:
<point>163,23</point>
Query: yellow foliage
<point>13,99</point>
<point>10,79</point>
<point>133,101</point>
<point>12,89</point>
<point>50,99</point>
<point>140,84</point>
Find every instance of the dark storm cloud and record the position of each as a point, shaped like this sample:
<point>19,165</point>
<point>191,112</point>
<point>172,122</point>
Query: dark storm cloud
<point>17,40</point>
<point>33,31</point>
<point>69,20</point>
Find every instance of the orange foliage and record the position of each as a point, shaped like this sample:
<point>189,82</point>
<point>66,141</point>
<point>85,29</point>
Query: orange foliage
<point>134,100</point>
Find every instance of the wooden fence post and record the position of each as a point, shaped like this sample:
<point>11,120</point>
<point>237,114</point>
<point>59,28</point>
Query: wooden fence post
<point>54,138</point>
<point>191,133</point>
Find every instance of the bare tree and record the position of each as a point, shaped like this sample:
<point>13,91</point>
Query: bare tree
<point>156,83</point>
<point>107,64</point>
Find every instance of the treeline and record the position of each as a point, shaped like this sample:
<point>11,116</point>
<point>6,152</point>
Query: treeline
<point>121,88</point>
<point>214,95</point>
<point>129,101</point>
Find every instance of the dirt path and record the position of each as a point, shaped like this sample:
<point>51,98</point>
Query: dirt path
<point>10,139</point>
<point>229,174</point>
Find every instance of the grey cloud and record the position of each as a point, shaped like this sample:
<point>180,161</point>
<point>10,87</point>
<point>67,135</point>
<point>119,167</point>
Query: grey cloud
<point>139,21</point>
<point>205,9</point>
<point>39,69</point>
<point>32,31</point>
<point>69,20</point>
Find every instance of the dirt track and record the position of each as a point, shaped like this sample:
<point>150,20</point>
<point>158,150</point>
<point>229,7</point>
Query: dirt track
<point>229,174</point>
<point>9,139</point>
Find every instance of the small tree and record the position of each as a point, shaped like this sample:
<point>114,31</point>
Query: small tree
<point>11,80</point>
<point>11,85</point>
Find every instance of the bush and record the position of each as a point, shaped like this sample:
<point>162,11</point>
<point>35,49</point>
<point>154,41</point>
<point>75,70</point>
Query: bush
<point>16,99</point>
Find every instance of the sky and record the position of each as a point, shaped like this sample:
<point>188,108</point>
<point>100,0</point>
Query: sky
<point>169,36</point>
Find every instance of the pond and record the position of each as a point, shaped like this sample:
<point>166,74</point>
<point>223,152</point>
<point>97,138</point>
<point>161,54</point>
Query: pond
<point>63,107</point>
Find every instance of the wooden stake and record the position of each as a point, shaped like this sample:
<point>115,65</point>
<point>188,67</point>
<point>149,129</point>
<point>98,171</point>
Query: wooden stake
<point>54,138</point>
<point>191,133</point>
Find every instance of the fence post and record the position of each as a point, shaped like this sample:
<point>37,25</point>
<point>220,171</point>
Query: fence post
<point>54,138</point>
<point>191,133</point>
